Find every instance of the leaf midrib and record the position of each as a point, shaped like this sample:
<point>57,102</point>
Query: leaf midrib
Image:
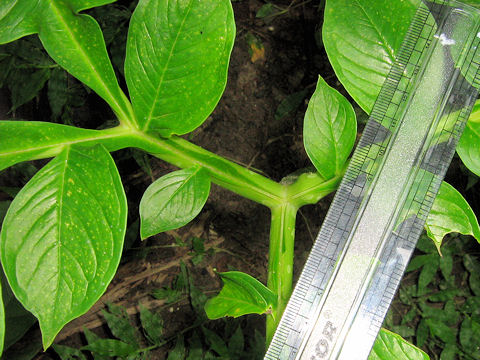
<point>60,215</point>
<point>5,155</point>
<point>84,55</point>
<point>164,70</point>
<point>183,184</point>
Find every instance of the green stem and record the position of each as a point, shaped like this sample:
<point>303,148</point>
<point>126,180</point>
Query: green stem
<point>309,188</point>
<point>280,262</point>
<point>124,112</point>
<point>223,172</point>
<point>283,200</point>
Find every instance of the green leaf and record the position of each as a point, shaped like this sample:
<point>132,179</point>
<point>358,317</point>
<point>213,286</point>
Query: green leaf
<point>62,237</point>
<point>29,140</point>
<point>29,351</point>
<point>290,104</point>
<point>420,260</point>
<point>177,59</point>
<point>167,294</point>
<point>427,274</point>
<point>446,265</point>
<point>257,345</point>
<point>422,333</point>
<point>152,325</point>
<point>444,295</point>
<point>57,92</point>
<point>441,331</point>
<point>216,343</point>
<point>241,294</point>
<point>27,85</point>
<point>469,335</point>
<point>404,331</point>
<point>17,20</point>
<point>178,352</point>
<point>236,344</point>
<point>469,146</point>
<point>7,65</point>
<point>329,130</point>
<point>173,200</point>
<point>73,40</point>
<point>68,353</point>
<point>266,10</point>
<point>91,338</point>
<point>195,347</point>
<point>448,352</point>
<point>473,267</point>
<point>29,52</point>
<point>361,38</point>
<point>451,213</point>
<point>445,315</point>
<point>110,347</point>
<point>389,345</point>
<point>119,323</point>
<point>17,319</point>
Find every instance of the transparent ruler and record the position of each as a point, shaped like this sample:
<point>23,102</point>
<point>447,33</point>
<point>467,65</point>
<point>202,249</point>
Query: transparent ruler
<point>378,213</point>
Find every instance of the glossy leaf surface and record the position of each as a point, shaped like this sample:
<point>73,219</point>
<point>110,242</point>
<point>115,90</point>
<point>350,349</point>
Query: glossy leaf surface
<point>176,64</point>
<point>361,38</point>
<point>28,140</point>
<point>173,201</point>
<point>469,146</point>
<point>329,130</point>
<point>391,346</point>
<point>451,213</point>
<point>73,40</point>
<point>62,237</point>
<point>241,294</point>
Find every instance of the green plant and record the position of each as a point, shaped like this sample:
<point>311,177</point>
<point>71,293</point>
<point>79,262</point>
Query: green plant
<point>438,300</point>
<point>62,236</point>
<point>197,341</point>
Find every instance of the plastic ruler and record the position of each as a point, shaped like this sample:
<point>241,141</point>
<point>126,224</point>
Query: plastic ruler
<point>378,213</point>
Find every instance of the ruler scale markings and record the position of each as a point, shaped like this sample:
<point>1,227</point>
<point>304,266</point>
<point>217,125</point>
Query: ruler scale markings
<point>386,136</point>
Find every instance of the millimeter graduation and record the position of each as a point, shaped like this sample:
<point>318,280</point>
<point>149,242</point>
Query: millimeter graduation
<point>371,229</point>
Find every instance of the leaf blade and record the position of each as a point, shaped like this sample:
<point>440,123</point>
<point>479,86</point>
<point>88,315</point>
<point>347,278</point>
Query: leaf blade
<point>450,213</point>
<point>29,140</point>
<point>74,200</point>
<point>241,294</point>
<point>188,50</point>
<point>110,347</point>
<point>329,130</point>
<point>173,200</point>
<point>82,51</point>
<point>152,325</point>
<point>391,346</point>
<point>468,147</point>
<point>361,39</point>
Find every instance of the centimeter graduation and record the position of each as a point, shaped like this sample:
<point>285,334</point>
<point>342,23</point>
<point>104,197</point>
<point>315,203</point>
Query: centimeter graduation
<point>378,213</point>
